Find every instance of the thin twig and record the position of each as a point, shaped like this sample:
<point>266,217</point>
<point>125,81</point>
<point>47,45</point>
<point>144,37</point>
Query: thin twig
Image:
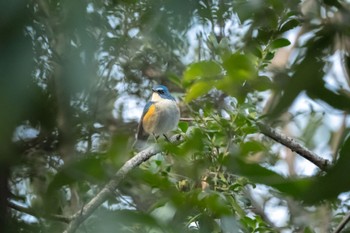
<point>342,224</point>
<point>188,119</point>
<point>257,209</point>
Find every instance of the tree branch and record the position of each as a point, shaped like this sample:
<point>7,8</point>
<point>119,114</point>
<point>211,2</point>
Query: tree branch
<point>36,214</point>
<point>342,224</point>
<point>146,154</point>
<point>289,142</point>
<point>110,187</point>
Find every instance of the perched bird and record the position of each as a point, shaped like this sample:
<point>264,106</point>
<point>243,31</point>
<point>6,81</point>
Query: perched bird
<point>160,115</point>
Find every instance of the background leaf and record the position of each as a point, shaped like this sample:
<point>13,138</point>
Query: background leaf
<point>279,43</point>
<point>205,70</point>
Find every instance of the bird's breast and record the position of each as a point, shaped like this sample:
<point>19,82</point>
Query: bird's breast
<point>168,116</point>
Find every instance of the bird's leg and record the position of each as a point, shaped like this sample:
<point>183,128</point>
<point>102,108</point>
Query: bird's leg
<point>155,137</point>
<point>166,137</point>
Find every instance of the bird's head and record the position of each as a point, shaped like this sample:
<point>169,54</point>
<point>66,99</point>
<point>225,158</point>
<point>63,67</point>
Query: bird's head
<point>161,92</point>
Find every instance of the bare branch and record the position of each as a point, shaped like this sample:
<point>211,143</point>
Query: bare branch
<point>289,142</point>
<point>36,214</point>
<point>186,119</point>
<point>110,187</point>
<point>342,224</point>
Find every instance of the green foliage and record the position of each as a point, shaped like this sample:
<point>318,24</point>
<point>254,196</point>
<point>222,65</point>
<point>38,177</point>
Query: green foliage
<point>73,73</point>
<point>234,76</point>
<point>330,186</point>
<point>89,169</point>
<point>124,221</point>
<point>279,43</point>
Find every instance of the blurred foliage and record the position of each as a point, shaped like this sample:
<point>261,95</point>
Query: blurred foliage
<point>75,73</point>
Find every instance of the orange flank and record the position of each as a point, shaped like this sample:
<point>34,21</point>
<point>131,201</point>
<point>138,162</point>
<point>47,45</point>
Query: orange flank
<point>149,119</point>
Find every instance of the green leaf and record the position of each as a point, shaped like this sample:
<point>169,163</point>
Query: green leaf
<point>279,43</point>
<point>308,76</point>
<point>175,79</point>
<point>261,83</point>
<point>201,70</point>
<point>336,181</point>
<point>310,190</point>
<point>89,168</point>
<point>236,207</point>
<point>258,174</point>
<point>308,230</point>
<point>118,149</point>
<point>248,222</point>
<point>107,220</point>
<point>215,202</point>
<point>183,126</point>
<point>290,24</point>
<point>266,18</point>
<point>252,147</point>
<point>198,89</point>
<point>164,213</point>
<point>335,99</point>
<point>277,5</point>
<point>255,50</point>
<point>239,67</point>
<point>254,172</point>
<point>269,56</point>
<point>194,143</point>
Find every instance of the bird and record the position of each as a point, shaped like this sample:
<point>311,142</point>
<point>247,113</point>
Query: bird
<point>160,115</point>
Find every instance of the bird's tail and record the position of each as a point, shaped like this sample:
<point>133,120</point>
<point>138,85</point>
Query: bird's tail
<point>141,138</point>
<point>139,145</point>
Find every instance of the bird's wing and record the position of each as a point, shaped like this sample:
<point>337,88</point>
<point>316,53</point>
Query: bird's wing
<point>141,134</point>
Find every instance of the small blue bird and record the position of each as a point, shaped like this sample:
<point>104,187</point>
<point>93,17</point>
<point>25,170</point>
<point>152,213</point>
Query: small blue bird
<point>160,115</point>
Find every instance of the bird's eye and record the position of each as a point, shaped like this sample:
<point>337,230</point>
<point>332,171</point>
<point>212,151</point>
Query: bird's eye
<point>160,91</point>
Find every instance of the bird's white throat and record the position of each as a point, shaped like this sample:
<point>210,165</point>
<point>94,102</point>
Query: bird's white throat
<point>156,97</point>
